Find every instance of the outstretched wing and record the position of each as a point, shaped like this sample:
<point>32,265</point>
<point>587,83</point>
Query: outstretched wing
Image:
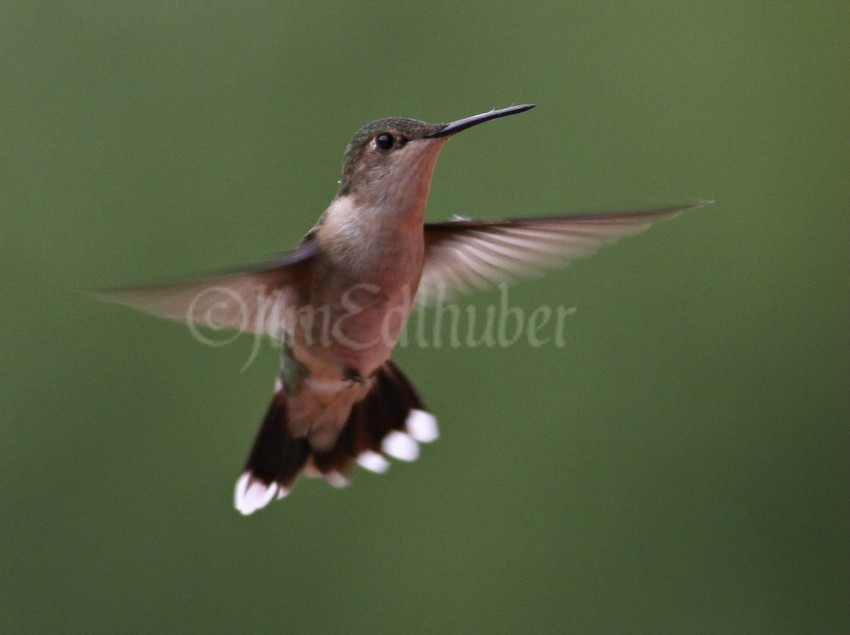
<point>253,298</point>
<point>469,255</point>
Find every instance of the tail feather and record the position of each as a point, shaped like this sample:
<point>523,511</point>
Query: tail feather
<point>390,421</point>
<point>275,462</point>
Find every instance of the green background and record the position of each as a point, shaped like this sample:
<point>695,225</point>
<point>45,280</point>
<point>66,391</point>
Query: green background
<point>680,465</point>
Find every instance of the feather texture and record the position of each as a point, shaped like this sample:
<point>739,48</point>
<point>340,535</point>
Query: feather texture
<point>462,256</point>
<point>253,298</point>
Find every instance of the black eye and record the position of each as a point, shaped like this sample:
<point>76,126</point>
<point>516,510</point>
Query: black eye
<point>385,141</point>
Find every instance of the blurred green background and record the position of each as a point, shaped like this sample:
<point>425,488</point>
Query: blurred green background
<point>681,465</point>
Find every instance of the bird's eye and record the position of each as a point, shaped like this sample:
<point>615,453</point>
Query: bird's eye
<point>385,141</point>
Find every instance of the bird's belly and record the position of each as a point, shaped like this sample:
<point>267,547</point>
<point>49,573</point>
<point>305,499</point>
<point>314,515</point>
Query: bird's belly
<point>357,328</point>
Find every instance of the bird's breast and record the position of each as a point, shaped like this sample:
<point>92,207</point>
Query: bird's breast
<point>360,297</point>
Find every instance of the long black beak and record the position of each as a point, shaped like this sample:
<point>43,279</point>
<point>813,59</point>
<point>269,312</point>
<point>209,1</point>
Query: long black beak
<point>468,122</point>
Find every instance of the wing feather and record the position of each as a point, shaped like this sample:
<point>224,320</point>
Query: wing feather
<point>253,298</point>
<point>465,255</point>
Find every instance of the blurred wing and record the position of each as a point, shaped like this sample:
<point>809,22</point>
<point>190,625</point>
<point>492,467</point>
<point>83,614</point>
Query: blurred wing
<point>469,255</point>
<point>252,298</point>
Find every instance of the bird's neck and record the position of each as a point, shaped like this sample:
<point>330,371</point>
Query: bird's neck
<point>360,219</point>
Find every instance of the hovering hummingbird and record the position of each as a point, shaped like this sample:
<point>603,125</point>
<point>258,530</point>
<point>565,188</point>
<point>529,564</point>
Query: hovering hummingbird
<point>339,301</point>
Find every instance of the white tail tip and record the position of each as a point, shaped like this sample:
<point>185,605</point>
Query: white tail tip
<point>252,494</point>
<point>400,446</point>
<point>422,426</point>
<point>336,479</point>
<point>373,462</point>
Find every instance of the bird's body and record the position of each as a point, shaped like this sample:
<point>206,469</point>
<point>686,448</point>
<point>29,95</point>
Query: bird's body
<point>357,295</point>
<point>374,262</point>
<point>339,302</point>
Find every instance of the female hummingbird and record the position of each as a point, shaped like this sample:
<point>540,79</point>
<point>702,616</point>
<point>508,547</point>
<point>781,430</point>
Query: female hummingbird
<point>339,301</point>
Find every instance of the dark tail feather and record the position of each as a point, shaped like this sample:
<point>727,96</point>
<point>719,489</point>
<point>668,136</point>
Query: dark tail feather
<point>390,421</point>
<point>275,462</point>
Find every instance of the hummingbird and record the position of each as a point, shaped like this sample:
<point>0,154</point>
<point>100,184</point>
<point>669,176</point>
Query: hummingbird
<point>339,301</point>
